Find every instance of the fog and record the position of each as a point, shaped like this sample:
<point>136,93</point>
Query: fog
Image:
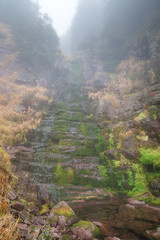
<point>61,11</point>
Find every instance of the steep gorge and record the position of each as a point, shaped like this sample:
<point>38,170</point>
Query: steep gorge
<point>94,144</point>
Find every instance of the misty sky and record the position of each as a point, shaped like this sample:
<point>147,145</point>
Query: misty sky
<point>61,11</point>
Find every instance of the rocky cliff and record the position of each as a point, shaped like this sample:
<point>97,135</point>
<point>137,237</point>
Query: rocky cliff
<point>126,105</point>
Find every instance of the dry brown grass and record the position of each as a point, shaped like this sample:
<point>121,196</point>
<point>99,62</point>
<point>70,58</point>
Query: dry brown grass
<point>130,77</point>
<point>8,228</point>
<point>14,124</point>
<point>105,98</point>
<point>6,175</point>
<point>8,225</point>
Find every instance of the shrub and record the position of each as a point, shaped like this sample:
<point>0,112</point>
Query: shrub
<point>140,182</point>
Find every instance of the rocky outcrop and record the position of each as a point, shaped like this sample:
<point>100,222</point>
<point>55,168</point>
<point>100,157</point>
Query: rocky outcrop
<point>54,224</point>
<point>139,218</point>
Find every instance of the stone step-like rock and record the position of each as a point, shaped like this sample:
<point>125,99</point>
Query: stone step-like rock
<point>35,166</point>
<point>69,135</point>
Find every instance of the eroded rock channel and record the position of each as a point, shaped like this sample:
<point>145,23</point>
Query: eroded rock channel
<point>61,159</point>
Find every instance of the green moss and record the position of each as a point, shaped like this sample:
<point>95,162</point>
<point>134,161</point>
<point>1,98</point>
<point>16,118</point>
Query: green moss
<point>153,112</point>
<point>86,130</point>
<point>62,106</point>
<point>23,201</point>
<point>62,175</point>
<point>150,157</point>
<point>88,226</point>
<point>44,209</point>
<point>55,138</point>
<point>60,127</point>
<point>63,211</point>
<point>67,142</point>
<point>88,149</point>
<point>140,181</point>
<point>110,142</point>
<point>143,138</point>
<point>52,220</point>
<point>156,202</point>
<point>56,150</point>
<point>82,128</point>
<point>151,200</point>
<point>100,146</point>
<point>141,116</point>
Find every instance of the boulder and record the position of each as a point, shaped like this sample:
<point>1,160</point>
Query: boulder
<point>57,235</point>
<point>23,230</point>
<point>82,233</point>
<point>98,224</point>
<point>17,206</point>
<point>61,222</point>
<point>151,126</point>
<point>154,234</point>
<point>29,237</point>
<point>138,217</point>
<point>134,202</point>
<point>63,209</point>
<point>111,154</point>
<point>85,230</point>
<point>40,221</point>
<point>24,215</point>
<point>131,154</point>
<point>12,195</point>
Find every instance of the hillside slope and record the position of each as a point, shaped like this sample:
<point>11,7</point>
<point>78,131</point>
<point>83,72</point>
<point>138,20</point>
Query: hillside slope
<point>123,82</point>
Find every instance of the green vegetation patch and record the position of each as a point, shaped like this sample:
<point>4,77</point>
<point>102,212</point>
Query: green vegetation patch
<point>63,175</point>
<point>44,209</point>
<point>141,116</point>
<point>68,142</point>
<point>87,129</point>
<point>89,149</point>
<point>150,157</point>
<point>88,226</point>
<point>63,211</point>
<point>151,200</point>
<point>60,126</point>
<point>153,112</point>
<point>140,182</point>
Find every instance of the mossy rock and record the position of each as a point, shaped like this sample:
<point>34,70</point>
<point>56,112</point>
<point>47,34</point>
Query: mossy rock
<point>46,235</point>
<point>88,226</point>
<point>44,209</point>
<point>52,219</point>
<point>63,209</point>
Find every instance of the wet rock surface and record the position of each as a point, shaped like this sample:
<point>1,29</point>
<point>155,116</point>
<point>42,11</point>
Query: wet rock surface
<point>61,161</point>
